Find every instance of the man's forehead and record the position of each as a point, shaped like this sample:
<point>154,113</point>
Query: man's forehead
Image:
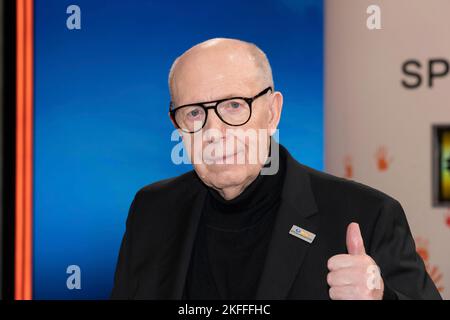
<point>222,88</point>
<point>207,83</point>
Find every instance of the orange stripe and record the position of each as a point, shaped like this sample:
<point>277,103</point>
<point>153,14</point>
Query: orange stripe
<point>19,151</point>
<point>24,150</point>
<point>28,219</point>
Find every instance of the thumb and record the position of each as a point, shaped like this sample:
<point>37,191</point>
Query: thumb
<point>355,243</point>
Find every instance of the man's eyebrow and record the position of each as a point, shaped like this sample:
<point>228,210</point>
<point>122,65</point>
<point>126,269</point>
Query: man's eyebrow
<point>231,96</point>
<point>228,96</point>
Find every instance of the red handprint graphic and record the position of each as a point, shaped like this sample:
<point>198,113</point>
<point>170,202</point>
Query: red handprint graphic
<point>447,218</point>
<point>433,270</point>
<point>348,167</point>
<point>383,162</point>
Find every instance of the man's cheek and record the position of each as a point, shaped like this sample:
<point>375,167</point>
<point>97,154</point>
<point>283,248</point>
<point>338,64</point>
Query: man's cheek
<point>194,152</point>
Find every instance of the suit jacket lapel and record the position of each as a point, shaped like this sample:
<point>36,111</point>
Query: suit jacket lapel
<point>286,252</point>
<point>188,239</point>
<point>173,270</point>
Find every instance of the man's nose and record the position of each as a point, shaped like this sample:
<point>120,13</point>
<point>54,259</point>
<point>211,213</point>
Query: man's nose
<point>213,121</point>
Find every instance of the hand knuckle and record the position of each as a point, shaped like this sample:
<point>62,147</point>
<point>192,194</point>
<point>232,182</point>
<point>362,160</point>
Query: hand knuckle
<point>332,293</point>
<point>329,278</point>
<point>330,263</point>
<point>368,260</point>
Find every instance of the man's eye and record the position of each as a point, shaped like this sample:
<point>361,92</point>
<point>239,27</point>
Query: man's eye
<point>233,105</point>
<point>194,113</point>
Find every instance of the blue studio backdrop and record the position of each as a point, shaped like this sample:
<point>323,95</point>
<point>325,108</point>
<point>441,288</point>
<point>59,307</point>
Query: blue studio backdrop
<point>101,125</point>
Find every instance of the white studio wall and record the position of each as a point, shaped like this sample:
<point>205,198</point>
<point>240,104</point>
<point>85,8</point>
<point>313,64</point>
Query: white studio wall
<point>387,111</point>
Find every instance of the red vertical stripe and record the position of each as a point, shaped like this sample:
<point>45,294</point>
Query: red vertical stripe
<point>24,151</point>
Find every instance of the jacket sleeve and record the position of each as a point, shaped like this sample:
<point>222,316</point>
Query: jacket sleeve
<point>124,284</point>
<point>393,249</point>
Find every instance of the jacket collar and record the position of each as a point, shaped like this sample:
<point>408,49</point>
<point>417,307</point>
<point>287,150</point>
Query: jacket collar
<point>286,253</point>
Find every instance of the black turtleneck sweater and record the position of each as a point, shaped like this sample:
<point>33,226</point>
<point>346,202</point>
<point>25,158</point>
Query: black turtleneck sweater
<point>232,240</point>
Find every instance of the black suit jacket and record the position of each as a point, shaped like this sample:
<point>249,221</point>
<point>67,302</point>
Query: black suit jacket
<point>163,218</point>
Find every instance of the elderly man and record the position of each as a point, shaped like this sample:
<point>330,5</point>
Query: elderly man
<point>242,226</point>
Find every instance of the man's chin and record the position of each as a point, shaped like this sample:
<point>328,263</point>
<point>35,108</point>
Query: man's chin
<point>225,175</point>
<point>225,167</point>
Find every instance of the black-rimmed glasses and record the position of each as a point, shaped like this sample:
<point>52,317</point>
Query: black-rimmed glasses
<point>235,111</point>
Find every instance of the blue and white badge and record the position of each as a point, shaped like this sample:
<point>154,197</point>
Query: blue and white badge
<point>301,233</point>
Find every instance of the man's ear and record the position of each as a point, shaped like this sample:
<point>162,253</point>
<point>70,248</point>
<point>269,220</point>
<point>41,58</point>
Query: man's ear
<point>275,107</point>
<point>172,120</point>
<point>176,127</point>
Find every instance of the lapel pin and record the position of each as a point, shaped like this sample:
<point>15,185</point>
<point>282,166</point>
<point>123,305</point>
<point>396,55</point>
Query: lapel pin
<point>302,234</point>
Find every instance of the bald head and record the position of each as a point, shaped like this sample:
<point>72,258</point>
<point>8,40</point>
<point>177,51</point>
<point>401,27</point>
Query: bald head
<point>216,63</point>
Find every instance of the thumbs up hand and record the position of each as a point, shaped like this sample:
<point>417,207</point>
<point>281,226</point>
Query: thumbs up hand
<point>354,276</point>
